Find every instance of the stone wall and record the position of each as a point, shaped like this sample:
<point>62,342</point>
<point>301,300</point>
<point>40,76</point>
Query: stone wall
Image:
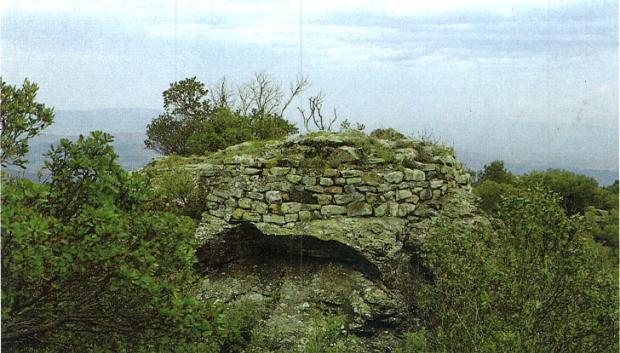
<point>322,223</point>
<point>282,192</point>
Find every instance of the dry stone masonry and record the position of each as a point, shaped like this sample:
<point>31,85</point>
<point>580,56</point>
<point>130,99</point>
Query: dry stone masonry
<point>282,191</point>
<point>323,223</point>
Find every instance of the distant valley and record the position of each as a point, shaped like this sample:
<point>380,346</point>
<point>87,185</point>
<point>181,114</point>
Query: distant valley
<point>535,147</point>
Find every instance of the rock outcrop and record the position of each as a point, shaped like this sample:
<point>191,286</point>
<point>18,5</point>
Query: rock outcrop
<point>324,223</point>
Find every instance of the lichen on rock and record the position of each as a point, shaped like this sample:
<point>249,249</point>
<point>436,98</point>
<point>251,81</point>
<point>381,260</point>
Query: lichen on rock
<point>322,222</point>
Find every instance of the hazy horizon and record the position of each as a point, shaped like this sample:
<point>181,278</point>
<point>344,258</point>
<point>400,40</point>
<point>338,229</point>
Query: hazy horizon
<point>527,81</point>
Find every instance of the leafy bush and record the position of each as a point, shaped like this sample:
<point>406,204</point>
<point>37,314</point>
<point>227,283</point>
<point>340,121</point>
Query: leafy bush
<point>495,172</point>
<point>577,191</point>
<point>84,257</point>
<point>491,193</point>
<point>534,284</point>
<point>21,118</point>
<point>194,124</point>
<point>387,134</point>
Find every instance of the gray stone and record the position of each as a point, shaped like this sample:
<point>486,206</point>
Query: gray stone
<point>403,194</point>
<point>305,216</point>
<point>405,209</point>
<point>291,217</point>
<point>355,180</point>
<point>279,170</point>
<point>213,198</point>
<point>381,210</point>
<point>315,188</point>
<point>260,207</point>
<point>371,198</point>
<point>414,175</point>
<point>386,187</point>
<point>251,171</point>
<point>273,196</point>
<point>357,209</point>
<point>350,189</point>
<point>333,210</point>
<point>251,217</point>
<point>392,208</point>
<point>256,195</point>
<point>394,177</point>
<point>293,178</point>
<point>350,173</point>
<point>340,181</point>
<point>323,199</point>
<point>221,193</point>
<point>291,207</point>
<point>462,178</point>
<point>331,173</point>
<point>308,180</point>
<point>326,181</point>
<point>345,154</point>
<point>272,218</point>
<point>333,190</point>
<point>341,199</point>
<point>245,203</point>
<point>413,199</point>
<point>435,184</point>
<point>426,194</point>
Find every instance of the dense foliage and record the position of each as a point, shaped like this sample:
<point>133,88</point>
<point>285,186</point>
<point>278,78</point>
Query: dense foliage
<point>84,257</point>
<point>578,194</point>
<point>194,123</point>
<point>533,284</point>
<point>21,118</point>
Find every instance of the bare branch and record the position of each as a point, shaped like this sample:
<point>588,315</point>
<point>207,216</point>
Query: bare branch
<point>300,85</point>
<point>222,95</point>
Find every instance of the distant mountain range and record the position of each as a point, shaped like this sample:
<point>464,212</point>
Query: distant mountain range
<point>590,150</point>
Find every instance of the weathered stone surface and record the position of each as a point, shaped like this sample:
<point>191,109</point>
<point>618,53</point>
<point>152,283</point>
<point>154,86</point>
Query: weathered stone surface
<point>436,184</point>
<point>405,209</point>
<point>293,178</point>
<point>245,203</point>
<point>355,180</point>
<point>273,196</point>
<point>403,194</point>
<point>323,199</point>
<point>414,175</point>
<point>251,171</point>
<point>272,218</point>
<point>354,228</point>
<point>305,216</point>
<point>256,195</point>
<point>308,180</point>
<point>326,181</point>
<point>333,210</point>
<point>333,190</point>
<point>291,207</point>
<point>358,209</point>
<point>394,177</point>
<point>279,170</point>
<point>341,199</point>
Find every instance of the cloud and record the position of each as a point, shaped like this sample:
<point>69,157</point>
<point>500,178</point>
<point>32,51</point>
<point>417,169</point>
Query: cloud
<point>383,31</point>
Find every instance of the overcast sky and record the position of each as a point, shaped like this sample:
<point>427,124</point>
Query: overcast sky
<point>386,63</point>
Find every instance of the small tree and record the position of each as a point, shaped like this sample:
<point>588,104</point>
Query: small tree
<point>496,172</point>
<point>315,114</point>
<point>196,120</point>
<point>186,109</point>
<point>84,258</point>
<point>21,118</point>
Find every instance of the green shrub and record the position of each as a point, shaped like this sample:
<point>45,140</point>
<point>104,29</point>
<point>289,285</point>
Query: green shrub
<point>387,134</point>
<point>491,194</point>
<point>534,284</point>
